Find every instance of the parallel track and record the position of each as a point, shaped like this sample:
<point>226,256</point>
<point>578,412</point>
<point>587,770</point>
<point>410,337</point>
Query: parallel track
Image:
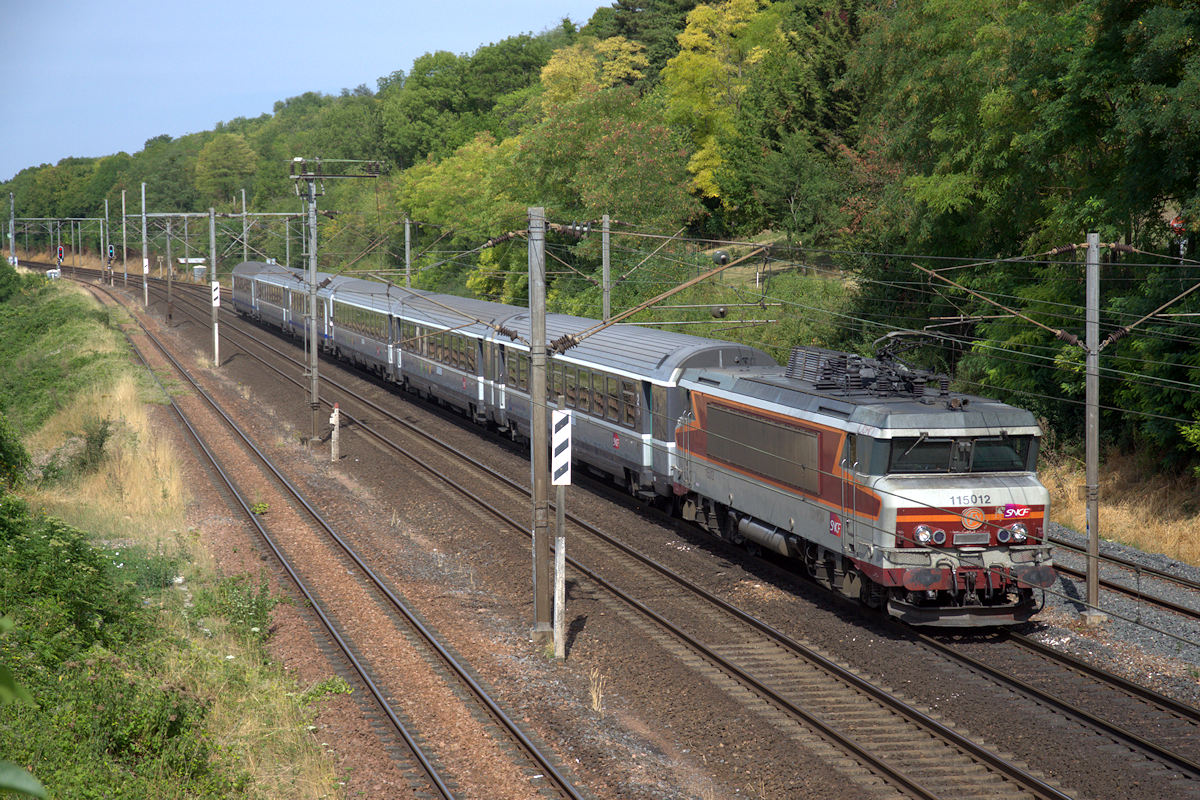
<point>561,785</point>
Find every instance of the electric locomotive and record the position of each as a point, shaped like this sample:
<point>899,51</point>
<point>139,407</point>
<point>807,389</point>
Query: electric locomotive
<point>885,485</point>
<point>888,487</point>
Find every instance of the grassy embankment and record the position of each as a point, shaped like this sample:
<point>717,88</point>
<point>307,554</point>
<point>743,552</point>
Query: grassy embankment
<point>148,668</point>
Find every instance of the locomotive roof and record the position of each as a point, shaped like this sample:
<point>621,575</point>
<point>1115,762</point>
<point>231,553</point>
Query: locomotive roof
<point>898,413</point>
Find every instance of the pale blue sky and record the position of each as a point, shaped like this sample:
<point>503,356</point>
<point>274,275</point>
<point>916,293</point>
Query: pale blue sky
<point>94,78</point>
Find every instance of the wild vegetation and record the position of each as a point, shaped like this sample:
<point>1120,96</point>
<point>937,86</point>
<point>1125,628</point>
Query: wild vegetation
<point>856,137</point>
<point>142,672</point>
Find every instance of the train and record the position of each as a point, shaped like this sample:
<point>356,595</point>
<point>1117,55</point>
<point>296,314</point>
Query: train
<point>875,478</point>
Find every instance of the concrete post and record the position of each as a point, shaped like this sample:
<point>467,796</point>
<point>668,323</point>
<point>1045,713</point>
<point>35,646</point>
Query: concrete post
<point>145,254</point>
<point>212,246</point>
<point>607,284</point>
<point>1091,615</point>
<point>124,241</point>
<point>245,241</point>
<point>538,423</point>
<point>314,399</point>
<point>407,252</point>
<point>560,564</point>
<point>170,276</point>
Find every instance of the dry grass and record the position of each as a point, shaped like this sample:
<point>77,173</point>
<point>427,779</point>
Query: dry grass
<point>257,716</point>
<point>138,492</point>
<point>596,684</point>
<point>1154,513</point>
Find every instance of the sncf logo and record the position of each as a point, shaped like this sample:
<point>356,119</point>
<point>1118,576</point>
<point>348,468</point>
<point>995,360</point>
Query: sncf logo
<point>972,518</point>
<point>1014,511</point>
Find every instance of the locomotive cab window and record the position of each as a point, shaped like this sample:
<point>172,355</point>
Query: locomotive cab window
<point>968,454</point>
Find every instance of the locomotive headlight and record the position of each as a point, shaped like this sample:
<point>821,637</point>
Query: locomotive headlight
<point>924,534</point>
<point>1019,532</point>
<point>939,536</point>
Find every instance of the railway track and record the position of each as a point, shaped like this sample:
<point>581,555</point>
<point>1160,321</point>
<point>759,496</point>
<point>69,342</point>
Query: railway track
<point>333,614</point>
<point>772,684</point>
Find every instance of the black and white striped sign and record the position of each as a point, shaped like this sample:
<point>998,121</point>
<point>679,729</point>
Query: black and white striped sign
<point>216,294</point>
<point>560,448</point>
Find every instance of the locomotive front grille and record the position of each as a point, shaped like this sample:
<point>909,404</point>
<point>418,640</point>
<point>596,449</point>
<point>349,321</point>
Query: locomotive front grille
<point>972,538</point>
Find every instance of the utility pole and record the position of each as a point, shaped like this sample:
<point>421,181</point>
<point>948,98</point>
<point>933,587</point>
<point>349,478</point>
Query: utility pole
<point>245,243</point>
<point>145,254</point>
<point>107,244</point>
<point>212,246</point>
<point>124,243</point>
<point>12,229</point>
<point>310,173</point>
<point>170,275</point>
<point>1091,614</point>
<point>539,457</point>
<point>607,285</point>
<point>314,398</point>
<point>407,252</point>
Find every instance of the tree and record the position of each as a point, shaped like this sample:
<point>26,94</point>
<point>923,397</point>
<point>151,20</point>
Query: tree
<point>782,158</point>
<point>654,23</point>
<point>606,152</point>
<point>705,82</point>
<point>223,166</point>
<point>590,64</point>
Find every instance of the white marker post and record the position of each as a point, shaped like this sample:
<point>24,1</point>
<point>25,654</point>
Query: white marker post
<point>216,304</point>
<point>560,476</point>
<point>335,419</point>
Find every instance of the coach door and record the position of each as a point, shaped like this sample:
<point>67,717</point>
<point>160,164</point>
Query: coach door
<point>849,521</point>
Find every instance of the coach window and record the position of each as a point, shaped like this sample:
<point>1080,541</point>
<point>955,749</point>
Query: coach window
<point>571,381</point>
<point>556,381</point>
<point>613,393</point>
<point>629,404</point>
<point>658,411</point>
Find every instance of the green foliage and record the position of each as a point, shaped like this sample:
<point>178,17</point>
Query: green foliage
<point>103,725</point>
<point>593,157</point>
<point>13,778</point>
<point>223,166</point>
<point>326,688</point>
<point>53,344</point>
<point>706,81</point>
<point>654,23</point>
<point>245,605</point>
<point>14,459</point>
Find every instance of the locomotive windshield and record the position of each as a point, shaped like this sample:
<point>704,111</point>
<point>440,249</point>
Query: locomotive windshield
<point>966,454</point>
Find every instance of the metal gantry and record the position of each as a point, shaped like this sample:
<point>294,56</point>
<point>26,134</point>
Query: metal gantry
<point>309,176</point>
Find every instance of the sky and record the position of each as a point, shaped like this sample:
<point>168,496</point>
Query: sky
<point>96,78</point>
